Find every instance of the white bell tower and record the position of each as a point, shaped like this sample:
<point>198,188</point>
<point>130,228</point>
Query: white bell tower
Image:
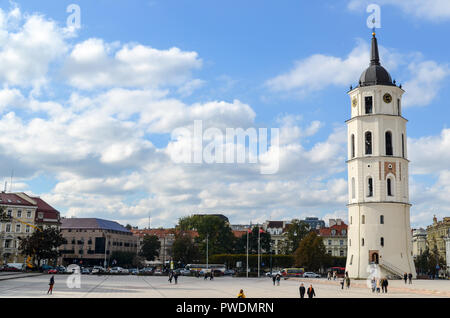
<point>379,221</point>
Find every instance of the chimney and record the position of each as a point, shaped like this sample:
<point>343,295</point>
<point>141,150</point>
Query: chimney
<point>331,222</point>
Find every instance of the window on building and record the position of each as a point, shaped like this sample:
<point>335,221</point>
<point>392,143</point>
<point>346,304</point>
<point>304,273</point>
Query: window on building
<point>353,188</point>
<point>350,242</point>
<point>370,187</point>
<point>19,213</point>
<point>389,187</point>
<point>351,260</point>
<point>341,253</point>
<point>27,229</point>
<point>353,146</point>
<point>368,142</point>
<point>8,228</point>
<point>9,213</point>
<point>329,252</point>
<point>351,220</point>
<point>29,214</point>
<point>363,219</point>
<point>341,242</point>
<point>329,242</point>
<point>362,242</point>
<point>369,104</point>
<point>382,241</point>
<point>381,219</point>
<point>17,228</point>
<point>388,141</point>
<point>398,107</point>
<point>403,146</point>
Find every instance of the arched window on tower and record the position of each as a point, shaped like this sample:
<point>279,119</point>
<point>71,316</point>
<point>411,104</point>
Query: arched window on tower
<point>381,219</point>
<point>362,242</point>
<point>370,187</point>
<point>388,140</point>
<point>363,219</point>
<point>353,188</point>
<point>382,241</point>
<point>403,145</point>
<point>369,104</point>
<point>389,187</point>
<point>398,107</point>
<point>353,146</point>
<point>368,142</point>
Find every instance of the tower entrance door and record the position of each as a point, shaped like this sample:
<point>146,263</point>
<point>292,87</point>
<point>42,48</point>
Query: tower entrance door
<point>374,256</point>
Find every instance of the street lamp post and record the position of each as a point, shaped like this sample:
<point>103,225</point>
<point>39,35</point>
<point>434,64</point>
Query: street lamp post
<point>259,248</point>
<point>207,235</point>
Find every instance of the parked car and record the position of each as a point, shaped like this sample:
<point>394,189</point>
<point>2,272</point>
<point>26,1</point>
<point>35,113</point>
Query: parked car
<point>157,272</point>
<point>61,269</point>
<point>270,274</point>
<point>124,271</point>
<point>97,270</point>
<point>52,271</point>
<point>185,272</point>
<point>146,271</point>
<point>311,275</point>
<point>85,270</point>
<point>8,268</point>
<point>115,270</point>
<point>229,272</point>
<point>46,268</point>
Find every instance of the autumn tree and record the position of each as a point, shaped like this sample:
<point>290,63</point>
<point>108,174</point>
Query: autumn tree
<point>311,252</point>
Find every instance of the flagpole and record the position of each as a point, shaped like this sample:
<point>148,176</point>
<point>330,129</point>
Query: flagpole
<point>259,249</point>
<point>247,253</point>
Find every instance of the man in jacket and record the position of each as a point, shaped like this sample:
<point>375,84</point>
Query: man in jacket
<point>311,292</point>
<point>302,290</point>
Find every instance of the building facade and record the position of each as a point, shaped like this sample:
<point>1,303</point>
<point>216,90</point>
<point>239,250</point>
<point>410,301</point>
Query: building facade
<point>91,241</point>
<point>314,223</point>
<point>419,241</point>
<point>436,234</point>
<point>335,237</point>
<point>378,206</point>
<point>277,230</point>
<point>26,214</point>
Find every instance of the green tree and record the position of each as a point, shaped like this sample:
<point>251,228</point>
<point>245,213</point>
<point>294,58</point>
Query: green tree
<point>184,248</point>
<point>150,247</point>
<point>3,216</point>
<point>265,242</point>
<point>219,234</point>
<point>42,245</point>
<point>122,258</point>
<point>128,227</point>
<point>311,253</point>
<point>295,232</point>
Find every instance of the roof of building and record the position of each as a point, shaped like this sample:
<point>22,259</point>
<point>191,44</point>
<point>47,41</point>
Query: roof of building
<point>327,231</point>
<point>375,74</point>
<point>91,224</point>
<point>238,233</point>
<point>50,213</point>
<point>159,232</point>
<point>275,224</point>
<point>13,199</point>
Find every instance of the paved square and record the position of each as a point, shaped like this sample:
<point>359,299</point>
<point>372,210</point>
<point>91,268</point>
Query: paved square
<point>220,287</point>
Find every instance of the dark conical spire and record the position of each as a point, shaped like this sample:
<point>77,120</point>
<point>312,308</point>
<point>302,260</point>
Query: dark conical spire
<point>375,74</point>
<point>375,56</point>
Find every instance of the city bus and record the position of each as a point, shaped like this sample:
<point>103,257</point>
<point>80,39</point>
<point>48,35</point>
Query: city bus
<point>340,271</point>
<point>205,268</point>
<point>292,272</point>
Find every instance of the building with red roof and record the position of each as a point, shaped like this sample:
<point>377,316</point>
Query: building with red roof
<point>335,237</point>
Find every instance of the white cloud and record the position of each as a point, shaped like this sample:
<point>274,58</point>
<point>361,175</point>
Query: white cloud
<point>96,64</point>
<point>432,10</point>
<point>426,81</point>
<point>28,45</point>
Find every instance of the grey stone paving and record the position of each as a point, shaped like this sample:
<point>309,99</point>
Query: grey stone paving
<point>220,287</point>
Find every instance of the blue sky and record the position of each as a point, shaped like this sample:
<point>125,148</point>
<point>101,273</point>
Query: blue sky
<point>96,147</point>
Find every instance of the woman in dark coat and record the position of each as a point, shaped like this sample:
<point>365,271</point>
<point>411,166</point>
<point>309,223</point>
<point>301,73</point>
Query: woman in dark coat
<point>311,292</point>
<point>52,282</point>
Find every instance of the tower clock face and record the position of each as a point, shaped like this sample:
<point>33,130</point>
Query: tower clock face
<point>387,98</point>
<point>354,102</point>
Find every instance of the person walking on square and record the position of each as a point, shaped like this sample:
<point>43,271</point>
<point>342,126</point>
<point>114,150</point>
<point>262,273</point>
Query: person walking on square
<point>211,276</point>
<point>52,282</point>
<point>334,275</point>
<point>302,290</point>
<point>347,282</point>
<point>278,279</point>
<point>170,277</point>
<point>241,294</point>
<point>329,276</point>
<point>274,279</point>
<point>374,285</point>
<point>410,278</point>
<point>385,285</point>
<point>342,283</point>
<point>175,276</point>
<point>378,285</point>
<point>405,277</point>
<point>311,292</point>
